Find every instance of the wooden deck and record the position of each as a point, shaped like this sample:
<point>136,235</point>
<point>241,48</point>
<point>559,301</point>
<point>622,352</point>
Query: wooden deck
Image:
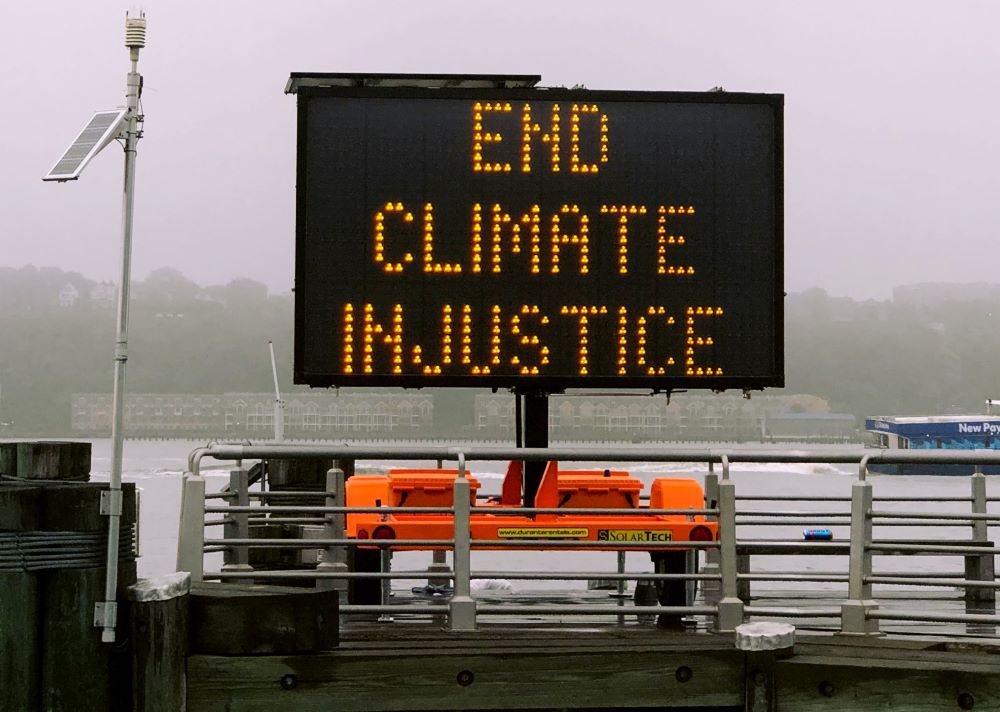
<point>517,666</point>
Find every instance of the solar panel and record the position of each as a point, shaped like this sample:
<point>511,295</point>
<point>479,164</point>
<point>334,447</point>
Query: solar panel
<point>102,128</point>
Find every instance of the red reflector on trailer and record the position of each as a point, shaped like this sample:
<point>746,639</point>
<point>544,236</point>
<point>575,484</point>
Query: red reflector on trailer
<point>700,533</point>
<point>383,532</point>
<point>362,533</point>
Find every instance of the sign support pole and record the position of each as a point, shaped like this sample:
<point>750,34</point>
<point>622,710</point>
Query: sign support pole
<point>536,434</point>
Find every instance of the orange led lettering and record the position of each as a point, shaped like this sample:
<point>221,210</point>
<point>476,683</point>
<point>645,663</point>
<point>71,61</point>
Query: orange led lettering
<point>524,339</point>
<point>446,342</point>
<point>663,239</point>
<point>623,213</point>
<point>583,315</point>
<point>379,249</point>
<point>348,354</point>
<point>374,333</point>
<point>482,136</point>
<point>530,130</point>
<point>500,222</point>
<point>694,340</point>
<point>653,315</point>
<point>429,264</point>
<point>466,359</point>
<point>578,113</point>
<point>580,238</point>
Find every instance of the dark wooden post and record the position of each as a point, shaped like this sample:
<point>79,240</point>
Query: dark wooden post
<point>68,461</point>
<point>20,662</point>
<point>75,664</point>
<point>159,619</point>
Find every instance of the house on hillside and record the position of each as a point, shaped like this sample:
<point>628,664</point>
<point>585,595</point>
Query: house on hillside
<point>103,295</point>
<point>68,295</point>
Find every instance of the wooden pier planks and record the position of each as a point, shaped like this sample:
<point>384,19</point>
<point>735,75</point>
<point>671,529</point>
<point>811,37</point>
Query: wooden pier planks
<point>511,668</point>
<point>884,674</point>
<point>499,670</point>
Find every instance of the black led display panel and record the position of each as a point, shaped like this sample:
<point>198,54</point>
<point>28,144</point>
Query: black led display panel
<point>538,239</point>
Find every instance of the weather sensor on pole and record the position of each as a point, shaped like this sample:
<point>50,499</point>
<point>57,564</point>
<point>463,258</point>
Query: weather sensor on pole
<point>103,128</point>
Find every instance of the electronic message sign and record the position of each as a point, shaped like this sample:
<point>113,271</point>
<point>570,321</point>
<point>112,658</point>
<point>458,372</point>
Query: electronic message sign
<point>539,239</point>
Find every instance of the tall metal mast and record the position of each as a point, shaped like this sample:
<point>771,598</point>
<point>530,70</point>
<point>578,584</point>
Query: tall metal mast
<point>106,614</point>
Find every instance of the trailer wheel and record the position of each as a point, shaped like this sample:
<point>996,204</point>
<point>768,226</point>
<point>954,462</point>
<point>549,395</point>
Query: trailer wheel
<point>368,591</point>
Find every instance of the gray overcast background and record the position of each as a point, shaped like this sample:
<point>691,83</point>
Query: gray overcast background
<point>892,108</point>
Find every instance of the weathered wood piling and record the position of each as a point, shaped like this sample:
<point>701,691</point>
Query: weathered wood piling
<point>53,541</point>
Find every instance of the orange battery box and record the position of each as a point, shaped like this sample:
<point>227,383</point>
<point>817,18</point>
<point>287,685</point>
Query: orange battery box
<point>367,491</point>
<point>426,488</point>
<point>676,493</point>
<point>598,489</point>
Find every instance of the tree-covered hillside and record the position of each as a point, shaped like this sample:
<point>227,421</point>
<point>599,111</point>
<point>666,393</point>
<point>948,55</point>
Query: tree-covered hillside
<point>908,355</point>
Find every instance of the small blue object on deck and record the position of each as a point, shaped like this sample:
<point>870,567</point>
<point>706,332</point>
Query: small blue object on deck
<point>817,534</point>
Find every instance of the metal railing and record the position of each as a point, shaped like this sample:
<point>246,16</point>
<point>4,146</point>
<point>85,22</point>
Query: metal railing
<point>726,577</point>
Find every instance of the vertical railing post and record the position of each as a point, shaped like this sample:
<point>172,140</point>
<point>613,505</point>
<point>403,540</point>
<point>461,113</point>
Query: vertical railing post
<point>334,556</point>
<point>237,525</point>
<point>854,618</point>
<point>980,567</point>
<point>730,607</point>
<point>191,531</point>
<point>462,609</point>
<point>712,589</point>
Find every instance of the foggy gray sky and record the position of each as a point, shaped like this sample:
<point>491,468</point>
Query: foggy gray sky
<point>891,118</point>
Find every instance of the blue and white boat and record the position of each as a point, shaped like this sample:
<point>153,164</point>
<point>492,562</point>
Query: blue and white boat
<point>935,432</point>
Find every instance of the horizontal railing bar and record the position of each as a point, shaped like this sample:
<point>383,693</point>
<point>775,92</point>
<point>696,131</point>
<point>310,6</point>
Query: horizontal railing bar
<point>790,498</point>
<point>834,498</point>
<point>966,517</point>
<point>587,454</point>
<point>588,609</point>
<point>316,574</point>
<point>766,547</point>
<point>928,581</point>
<point>777,522</point>
<point>414,608</point>
<point>286,520</point>
<point>835,578</point>
<point>277,494</point>
<point>476,575</point>
<point>935,548</point>
<point>898,615</point>
<point>590,575</point>
<point>895,523</point>
<point>897,574</point>
<point>792,612</point>
<point>620,511</point>
<point>295,509</point>
<point>791,513</point>
<point>323,543</point>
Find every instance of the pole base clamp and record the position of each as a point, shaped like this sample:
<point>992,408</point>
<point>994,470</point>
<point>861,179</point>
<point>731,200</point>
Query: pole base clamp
<point>105,614</point>
<point>111,503</point>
